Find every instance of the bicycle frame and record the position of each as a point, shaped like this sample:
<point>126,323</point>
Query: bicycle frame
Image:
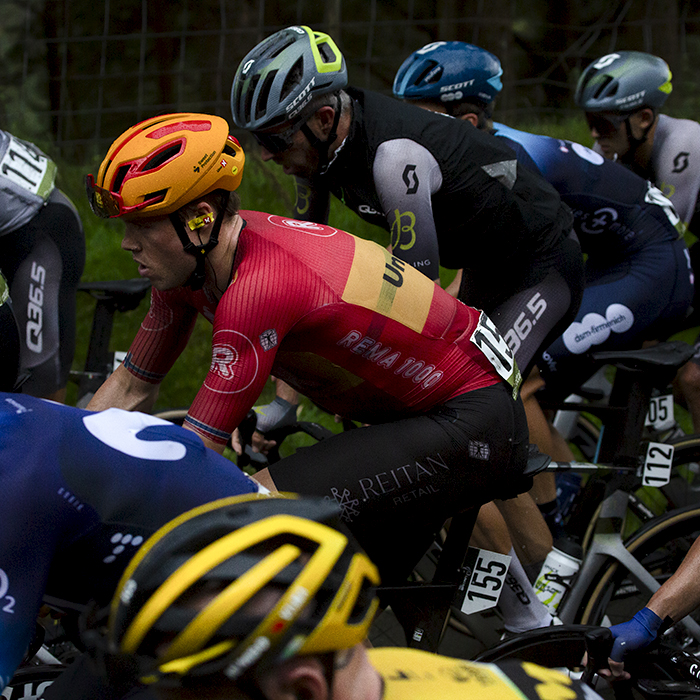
<point>607,543</point>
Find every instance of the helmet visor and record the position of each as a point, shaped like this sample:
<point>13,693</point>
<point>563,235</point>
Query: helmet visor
<point>108,205</point>
<point>605,125</point>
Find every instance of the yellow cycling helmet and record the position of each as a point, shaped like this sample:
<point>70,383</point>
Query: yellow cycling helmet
<point>241,583</point>
<point>161,164</point>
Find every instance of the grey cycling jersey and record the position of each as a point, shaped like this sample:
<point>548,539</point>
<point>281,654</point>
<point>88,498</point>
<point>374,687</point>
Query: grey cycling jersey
<point>675,163</point>
<point>26,180</point>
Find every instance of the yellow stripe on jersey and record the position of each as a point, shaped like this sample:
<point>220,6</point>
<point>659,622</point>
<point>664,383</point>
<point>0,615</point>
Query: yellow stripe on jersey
<point>383,283</point>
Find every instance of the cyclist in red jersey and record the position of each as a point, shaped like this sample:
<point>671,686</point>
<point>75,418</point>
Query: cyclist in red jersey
<point>337,317</point>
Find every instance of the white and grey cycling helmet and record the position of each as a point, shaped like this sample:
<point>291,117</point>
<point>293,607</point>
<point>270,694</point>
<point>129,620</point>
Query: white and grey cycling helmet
<point>624,82</point>
<point>276,81</point>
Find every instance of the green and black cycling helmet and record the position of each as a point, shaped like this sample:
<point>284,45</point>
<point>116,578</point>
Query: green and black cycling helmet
<point>624,82</point>
<point>279,78</point>
<point>9,340</point>
<point>238,585</point>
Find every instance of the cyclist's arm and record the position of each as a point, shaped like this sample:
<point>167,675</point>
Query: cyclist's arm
<point>679,596</point>
<point>312,201</point>
<point>160,340</point>
<point>406,175</point>
<point>123,390</point>
<point>453,287</point>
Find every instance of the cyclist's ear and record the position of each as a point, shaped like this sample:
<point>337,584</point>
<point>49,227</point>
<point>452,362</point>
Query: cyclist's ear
<point>301,678</point>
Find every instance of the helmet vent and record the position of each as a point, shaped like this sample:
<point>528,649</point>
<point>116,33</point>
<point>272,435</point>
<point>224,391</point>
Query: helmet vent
<point>162,157</point>
<point>327,53</point>
<point>281,47</point>
<point>248,106</point>
<point>261,103</point>
<point>603,87</point>
<point>429,74</point>
<point>119,178</point>
<point>293,78</point>
<point>155,197</point>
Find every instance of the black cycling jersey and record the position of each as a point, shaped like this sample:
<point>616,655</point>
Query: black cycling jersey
<point>452,195</point>
<point>447,192</point>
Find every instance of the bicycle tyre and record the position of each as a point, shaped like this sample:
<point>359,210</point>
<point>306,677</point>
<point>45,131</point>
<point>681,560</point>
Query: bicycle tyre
<point>560,646</point>
<point>31,682</point>
<point>585,437</point>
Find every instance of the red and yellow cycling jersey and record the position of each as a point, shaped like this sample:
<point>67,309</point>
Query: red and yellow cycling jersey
<point>358,331</point>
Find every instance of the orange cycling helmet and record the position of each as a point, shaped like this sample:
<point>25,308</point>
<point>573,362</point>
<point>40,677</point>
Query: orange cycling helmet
<point>161,164</point>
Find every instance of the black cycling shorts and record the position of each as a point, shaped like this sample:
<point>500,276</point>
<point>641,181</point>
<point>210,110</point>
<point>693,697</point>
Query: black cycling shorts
<point>398,482</point>
<point>542,303</point>
<point>42,262</point>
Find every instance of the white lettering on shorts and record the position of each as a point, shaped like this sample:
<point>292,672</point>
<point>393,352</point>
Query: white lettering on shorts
<point>593,329</point>
<point>35,309</point>
<point>405,483</point>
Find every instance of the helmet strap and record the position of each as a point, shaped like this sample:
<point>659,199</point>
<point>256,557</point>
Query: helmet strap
<point>324,146</point>
<point>634,142</point>
<point>200,250</point>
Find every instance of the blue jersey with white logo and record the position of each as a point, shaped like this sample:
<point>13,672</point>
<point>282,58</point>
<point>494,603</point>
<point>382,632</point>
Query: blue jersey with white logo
<point>616,212</point>
<point>80,492</point>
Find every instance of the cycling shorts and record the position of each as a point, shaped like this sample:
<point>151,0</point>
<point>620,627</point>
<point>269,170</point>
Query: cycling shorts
<point>43,261</point>
<point>397,483</point>
<point>548,296</point>
<point>644,297</point>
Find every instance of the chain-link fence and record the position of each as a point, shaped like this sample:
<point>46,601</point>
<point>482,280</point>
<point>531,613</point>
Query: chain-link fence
<point>76,73</point>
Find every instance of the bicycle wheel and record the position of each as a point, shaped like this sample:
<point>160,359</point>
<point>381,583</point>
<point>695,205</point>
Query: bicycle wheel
<point>31,682</point>
<point>660,546</point>
<point>560,646</point>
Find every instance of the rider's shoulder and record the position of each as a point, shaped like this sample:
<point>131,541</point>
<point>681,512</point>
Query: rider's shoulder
<point>411,673</point>
<point>676,132</point>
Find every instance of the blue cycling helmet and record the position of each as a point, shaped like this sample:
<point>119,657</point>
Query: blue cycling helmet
<point>624,81</point>
<point>449,71</point>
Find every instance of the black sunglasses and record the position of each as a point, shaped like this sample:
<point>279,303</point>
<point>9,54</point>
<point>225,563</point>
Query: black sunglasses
<point>605,125</point>
<point>276,143</point>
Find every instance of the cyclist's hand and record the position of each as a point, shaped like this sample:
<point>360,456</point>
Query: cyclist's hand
<point>260,444</point>
<point>637,633</point>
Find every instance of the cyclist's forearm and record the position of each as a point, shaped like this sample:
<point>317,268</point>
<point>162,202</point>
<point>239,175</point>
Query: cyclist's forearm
<point>216,446</point>
<point>680,595</point>
<point>123,390</point>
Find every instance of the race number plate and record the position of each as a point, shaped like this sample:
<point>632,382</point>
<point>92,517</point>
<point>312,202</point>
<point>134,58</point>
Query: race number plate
<point>660,415</point>
<point>483,581</point>
<point>657,464</point>
<point>494,346</point>
<point>28,168</point>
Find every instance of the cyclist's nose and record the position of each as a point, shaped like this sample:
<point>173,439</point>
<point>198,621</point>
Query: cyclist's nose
<point>129,242</point>
<point>265,154</point>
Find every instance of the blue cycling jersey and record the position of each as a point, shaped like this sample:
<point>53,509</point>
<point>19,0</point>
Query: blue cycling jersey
<point>639,283</point>
<point>80,492</point>
<point>616,212</point>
